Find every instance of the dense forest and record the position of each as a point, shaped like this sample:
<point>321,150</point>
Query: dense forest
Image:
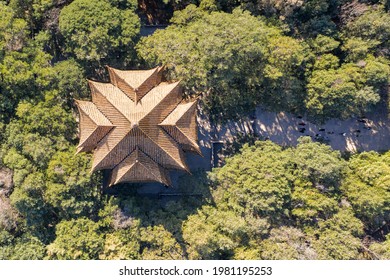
<point>322,58</point>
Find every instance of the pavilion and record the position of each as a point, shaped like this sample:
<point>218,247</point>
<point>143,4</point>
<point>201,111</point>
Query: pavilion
<point>137,126</point>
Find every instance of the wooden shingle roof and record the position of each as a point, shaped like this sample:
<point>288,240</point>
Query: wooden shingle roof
<point>181,125</point>
<point>137,126</point>
<point>135,83</point>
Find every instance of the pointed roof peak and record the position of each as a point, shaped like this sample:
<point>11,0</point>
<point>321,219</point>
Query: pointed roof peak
<point>134,125</point>
<point>124,126</point>
<point>135,78</point>
<point>139,167</point>
<point>136,83</point>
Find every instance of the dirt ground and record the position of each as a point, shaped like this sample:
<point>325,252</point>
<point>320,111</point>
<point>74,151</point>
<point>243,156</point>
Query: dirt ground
<point>354,135</point>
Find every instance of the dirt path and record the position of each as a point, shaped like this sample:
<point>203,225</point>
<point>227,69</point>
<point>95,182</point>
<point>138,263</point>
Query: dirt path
<point>354,135</point>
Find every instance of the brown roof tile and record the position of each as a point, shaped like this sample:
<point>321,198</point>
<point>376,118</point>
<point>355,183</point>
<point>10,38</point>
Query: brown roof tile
<point>137,126</point>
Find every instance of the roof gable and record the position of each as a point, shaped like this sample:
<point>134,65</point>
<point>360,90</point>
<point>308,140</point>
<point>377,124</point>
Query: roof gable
<point>137,126</point>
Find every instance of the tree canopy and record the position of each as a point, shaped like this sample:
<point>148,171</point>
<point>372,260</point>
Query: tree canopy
<point>99,33</point>
<point>322,59</point>
<point>236,59</point>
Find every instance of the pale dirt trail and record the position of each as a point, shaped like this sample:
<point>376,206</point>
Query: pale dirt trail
<point>354,134</point>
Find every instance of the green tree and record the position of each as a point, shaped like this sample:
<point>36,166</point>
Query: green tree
<point>318,163</point>
<point>368,33</point>
<point>25,73</point>
<point>122,245</point>
<point>98,33</point>
<point>13,31</point>
<point>20,165</point>
<point>46,119</point>
<point>215,233</point>
<point>257,181</point>
<point>6,241</point>
<point>318,171</point>
<point>304,18</point>
<point>345,91</point>
<point>69,83</point>
<point>366,188</point>
<point>287,243</point>
<point>382,250</point>
<point>122,231</point>
<point>339,237</point>
<point>33,138</point>
<point>124,4</point>
<point>25,247</point>
<point>71,189</point>
<point>344,220</point>
<point>32,11</point>
<point>323,44</point>
<point>29,200</point>
<point>230,58</point>
<point>337,245</point>
<point>79,239</point>
<point>310,205</point>
<point>159,244</point>
<point>284,79</point>
<point>28,248</point>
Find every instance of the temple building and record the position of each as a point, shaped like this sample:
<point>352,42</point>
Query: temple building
<point>137,126</point>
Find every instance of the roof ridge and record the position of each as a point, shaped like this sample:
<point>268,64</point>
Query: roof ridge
<point>182,164</point>
<point>93,84</point>
<point>147,156</point>
<point>124,125</point>
<point>162,178</point>
<point>135,83</point>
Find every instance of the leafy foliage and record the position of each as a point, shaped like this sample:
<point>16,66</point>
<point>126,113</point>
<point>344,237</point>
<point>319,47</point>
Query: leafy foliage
<point>70,244</point>
<point>328,59</point>
<point>346,91</point>
<point>368,34</point>
<point>310,221</point>
<point>97,32</point>
<point>216,234</point>
<point>235,59</point>
<point>382,249</point>
<point>307,17</point>
<point>265,186</point>
<point>287,243</point>
<point>25,247</point>
<point>25,74</point>
<point>12,30</point>
<point>367,188</point>
<point>71,190</point>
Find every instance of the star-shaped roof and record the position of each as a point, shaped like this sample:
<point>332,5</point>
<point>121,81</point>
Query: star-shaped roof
<point>137,126</point>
